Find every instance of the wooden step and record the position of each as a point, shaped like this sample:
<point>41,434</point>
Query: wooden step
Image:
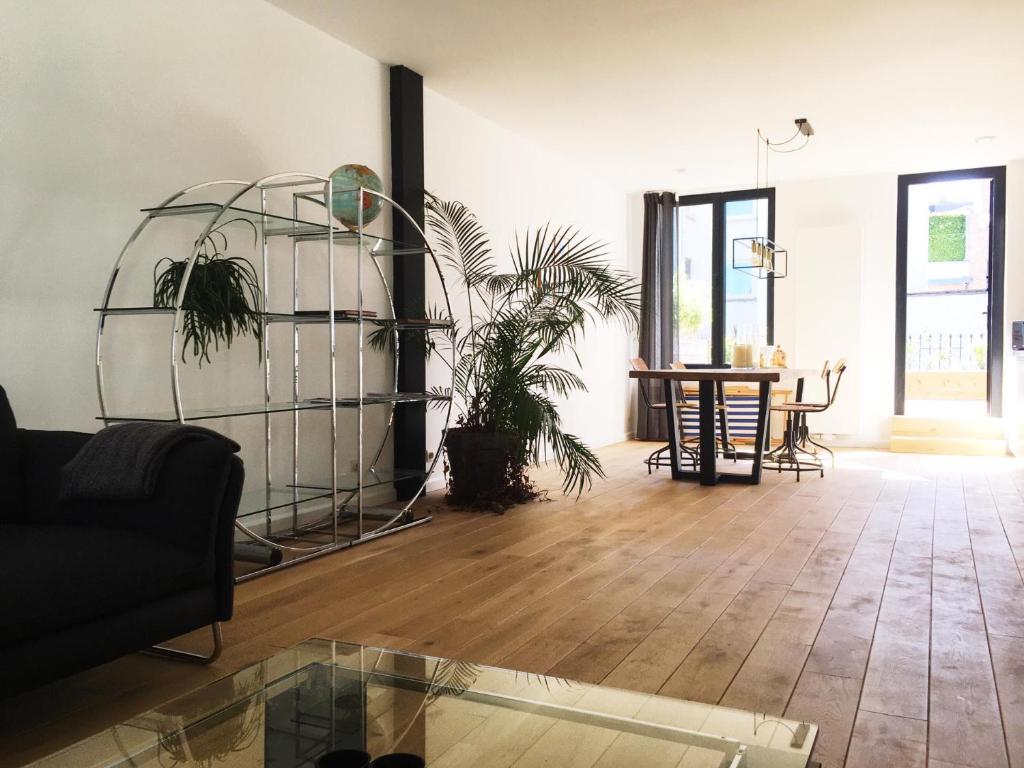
<point>963,446</point>
<point>976,426</point>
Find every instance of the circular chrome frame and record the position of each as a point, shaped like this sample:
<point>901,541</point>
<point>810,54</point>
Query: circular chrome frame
<point>217,215</point>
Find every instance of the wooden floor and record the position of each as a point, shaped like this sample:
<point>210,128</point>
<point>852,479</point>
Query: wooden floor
<point>884,602</point>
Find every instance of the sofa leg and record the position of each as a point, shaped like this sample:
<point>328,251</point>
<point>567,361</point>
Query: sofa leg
<point>196,658</point>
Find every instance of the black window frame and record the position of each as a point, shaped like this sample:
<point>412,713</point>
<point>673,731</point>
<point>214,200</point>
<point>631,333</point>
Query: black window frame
<point>721,257</point>
<point>996,278</point>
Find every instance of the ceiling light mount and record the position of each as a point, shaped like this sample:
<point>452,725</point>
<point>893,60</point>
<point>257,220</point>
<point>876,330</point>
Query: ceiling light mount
<point>757,255</point>
<point>803,125</point>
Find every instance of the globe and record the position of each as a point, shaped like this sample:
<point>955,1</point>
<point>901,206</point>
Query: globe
<point>345,197</point>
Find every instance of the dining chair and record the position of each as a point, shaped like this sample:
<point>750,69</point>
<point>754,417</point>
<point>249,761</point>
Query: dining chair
<point>660,457</point>
<point>793,455</point>
<point>803,434</point>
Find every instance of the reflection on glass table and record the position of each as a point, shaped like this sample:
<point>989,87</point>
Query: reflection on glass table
<point>323,695</point>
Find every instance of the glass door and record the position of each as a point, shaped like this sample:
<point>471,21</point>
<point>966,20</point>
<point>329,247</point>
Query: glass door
<point>693,284</point>
<point>949,296</point>
<point>746,295</point>
<point>714,304</point>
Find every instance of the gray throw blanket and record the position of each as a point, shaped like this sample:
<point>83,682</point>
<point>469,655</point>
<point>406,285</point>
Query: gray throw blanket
<point>122,462</point>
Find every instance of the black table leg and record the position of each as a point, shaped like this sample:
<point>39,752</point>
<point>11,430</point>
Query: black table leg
<point>708,473</point>
<point>728,449</point>
<point>801,418</point>
<point>764,403</point>
<point>673,429</point>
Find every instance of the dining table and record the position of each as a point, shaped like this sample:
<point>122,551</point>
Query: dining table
<point>709,381</point>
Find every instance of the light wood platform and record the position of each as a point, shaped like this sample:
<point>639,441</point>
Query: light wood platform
<point>965,436</point>
<point>884,602</point>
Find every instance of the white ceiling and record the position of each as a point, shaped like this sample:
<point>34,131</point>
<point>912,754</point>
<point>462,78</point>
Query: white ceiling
<point>637,89</point>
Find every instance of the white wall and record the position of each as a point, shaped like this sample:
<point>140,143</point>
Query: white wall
<point>868,204</point>
<point>839,298</point>
<point>110,106</point>
<point>1013,307</point>
<point>513,185</point>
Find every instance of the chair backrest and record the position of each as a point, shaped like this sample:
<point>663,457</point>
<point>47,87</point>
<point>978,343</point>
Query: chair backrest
<point>825,370</point>
<point>838,369</point>
<point>639,364</point>
<point>679,366</point>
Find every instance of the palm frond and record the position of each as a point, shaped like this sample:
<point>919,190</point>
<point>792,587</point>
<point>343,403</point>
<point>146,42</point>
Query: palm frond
<point>463,240</point>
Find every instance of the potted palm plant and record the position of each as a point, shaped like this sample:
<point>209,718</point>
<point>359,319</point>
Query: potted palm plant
<point>522,325</point>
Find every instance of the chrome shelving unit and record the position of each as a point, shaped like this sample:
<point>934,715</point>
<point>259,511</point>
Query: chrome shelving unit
<point>283,524</point>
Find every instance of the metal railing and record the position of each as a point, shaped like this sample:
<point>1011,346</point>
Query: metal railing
<point>947,351</point>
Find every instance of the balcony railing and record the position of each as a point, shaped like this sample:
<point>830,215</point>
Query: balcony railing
<point>947,352</point>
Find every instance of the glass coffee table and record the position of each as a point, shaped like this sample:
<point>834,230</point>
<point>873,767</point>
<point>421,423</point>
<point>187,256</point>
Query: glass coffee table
<point>324,695</point>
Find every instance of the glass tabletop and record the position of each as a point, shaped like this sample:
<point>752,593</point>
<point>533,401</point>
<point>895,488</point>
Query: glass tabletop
<point>322,695</point>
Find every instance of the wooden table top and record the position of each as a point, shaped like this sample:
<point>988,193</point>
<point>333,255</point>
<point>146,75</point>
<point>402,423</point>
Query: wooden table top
<point>711,374</point>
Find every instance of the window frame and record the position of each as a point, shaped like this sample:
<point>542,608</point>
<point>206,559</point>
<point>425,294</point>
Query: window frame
<point>996,278</point>
<point>721,257</point>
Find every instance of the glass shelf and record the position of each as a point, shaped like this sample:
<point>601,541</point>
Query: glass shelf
<point>379,398</point>
<point>349,481</point>
<point>321,404</point>
<point>375,244</point>
<point>285,226</point>
<point>305,318</point>
<point>271,223</point>
<point>135,310</point>
<point>402,323</point>
<point>221,412</point>
<point>262,500</point>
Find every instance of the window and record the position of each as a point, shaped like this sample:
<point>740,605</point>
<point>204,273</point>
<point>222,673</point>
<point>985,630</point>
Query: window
<point>714,305</point>
<point>692,294</point>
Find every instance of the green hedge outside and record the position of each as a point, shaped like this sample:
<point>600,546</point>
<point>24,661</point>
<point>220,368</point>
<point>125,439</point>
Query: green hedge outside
<point>947,238</point>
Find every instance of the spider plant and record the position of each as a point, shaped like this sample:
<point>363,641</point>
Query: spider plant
<point>223,298</point>
<point>522,324</point>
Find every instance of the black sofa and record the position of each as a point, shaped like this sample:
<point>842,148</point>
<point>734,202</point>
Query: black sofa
<point>85,582</point>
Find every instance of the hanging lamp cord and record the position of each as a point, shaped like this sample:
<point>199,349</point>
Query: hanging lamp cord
<point>775,146</point>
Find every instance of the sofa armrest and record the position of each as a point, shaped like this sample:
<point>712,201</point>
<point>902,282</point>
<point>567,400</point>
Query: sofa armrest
<point>194,507</point>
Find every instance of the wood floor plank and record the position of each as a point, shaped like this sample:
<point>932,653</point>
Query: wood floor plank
<point>843,643</point>
<point>965,724</point>
<point>592,660</point>
<point>706,672</point>
<point>656,657</point>
<point>1008,666</point>
<point>541,651</point>
<point>892,587</point>
<point>887,740</point>
<point>831,702</point>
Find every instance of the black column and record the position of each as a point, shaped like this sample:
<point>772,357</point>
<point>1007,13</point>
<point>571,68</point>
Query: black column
<point>410,430</point>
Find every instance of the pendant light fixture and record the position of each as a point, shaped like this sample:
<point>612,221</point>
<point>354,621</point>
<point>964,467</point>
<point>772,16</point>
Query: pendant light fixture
<point>758,255</point>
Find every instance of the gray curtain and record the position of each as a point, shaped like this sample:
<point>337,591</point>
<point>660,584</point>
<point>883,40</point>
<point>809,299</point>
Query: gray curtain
<point>656,313</point>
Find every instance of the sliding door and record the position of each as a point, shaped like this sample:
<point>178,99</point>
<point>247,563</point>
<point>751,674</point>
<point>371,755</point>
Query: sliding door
<point>716,305</point>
